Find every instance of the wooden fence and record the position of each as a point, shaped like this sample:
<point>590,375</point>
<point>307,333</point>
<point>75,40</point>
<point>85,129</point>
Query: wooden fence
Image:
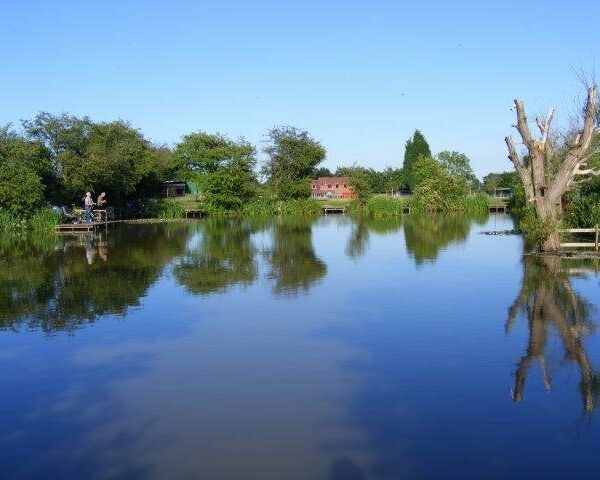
<point>594,244</point>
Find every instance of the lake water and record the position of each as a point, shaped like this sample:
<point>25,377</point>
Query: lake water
<point>292,348</point>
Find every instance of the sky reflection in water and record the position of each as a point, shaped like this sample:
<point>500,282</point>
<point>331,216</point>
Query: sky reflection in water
<point>296,348</point>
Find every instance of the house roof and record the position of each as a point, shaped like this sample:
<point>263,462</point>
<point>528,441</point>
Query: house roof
<point>332,179</point>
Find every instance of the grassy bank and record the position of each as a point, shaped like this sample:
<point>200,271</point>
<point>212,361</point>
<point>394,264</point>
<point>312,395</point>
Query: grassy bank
<point>376,206</point>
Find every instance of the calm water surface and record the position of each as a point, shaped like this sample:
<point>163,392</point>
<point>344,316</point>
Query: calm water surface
<point>297,349</point>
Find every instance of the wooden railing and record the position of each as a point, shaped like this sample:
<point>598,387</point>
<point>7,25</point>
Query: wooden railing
<point>594,244</point>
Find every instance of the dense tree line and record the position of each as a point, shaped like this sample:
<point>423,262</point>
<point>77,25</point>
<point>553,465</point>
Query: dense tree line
<point>55,159</point>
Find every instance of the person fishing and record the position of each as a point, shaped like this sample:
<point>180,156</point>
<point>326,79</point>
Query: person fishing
<point>88,204</point>
<point>101,200</point>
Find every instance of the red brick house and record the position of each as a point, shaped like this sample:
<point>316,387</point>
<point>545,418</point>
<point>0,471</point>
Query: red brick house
<point>331,187</point>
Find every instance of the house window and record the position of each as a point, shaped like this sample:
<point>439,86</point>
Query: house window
<point>345,185</point>
<point>314,186</point>
<point>329,186</point>
<point>337,185</point>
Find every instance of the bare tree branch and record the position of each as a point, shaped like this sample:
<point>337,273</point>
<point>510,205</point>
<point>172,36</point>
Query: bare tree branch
<point>523,171</point>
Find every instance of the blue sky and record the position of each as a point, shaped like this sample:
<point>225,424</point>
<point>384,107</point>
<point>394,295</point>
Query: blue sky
<point>360,76</point>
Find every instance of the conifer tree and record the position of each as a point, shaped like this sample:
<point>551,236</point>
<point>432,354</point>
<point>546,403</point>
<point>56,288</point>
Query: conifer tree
<point>415,147</point>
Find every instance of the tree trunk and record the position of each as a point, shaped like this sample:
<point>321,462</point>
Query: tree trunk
<point>543,189</point>
<point>549,213</point>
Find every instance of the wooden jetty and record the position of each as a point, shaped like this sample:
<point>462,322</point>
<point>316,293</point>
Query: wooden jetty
<point>333,210</point>
<point>595,244</point>
<point>79,227</point>
<point>500,208</point>
<point>193,213</point>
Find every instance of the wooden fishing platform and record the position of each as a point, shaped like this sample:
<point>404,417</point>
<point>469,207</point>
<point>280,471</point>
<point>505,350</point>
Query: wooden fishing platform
<point>500,208</point>
<point>79,227</point>
<point>333,210</point>
<point>193,213</point>
<point>595,244</point>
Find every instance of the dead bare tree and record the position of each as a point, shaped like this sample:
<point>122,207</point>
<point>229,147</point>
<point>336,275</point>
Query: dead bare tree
<point>544,188</point>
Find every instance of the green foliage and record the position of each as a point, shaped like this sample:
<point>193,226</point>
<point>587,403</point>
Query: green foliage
<point>21,189</point>
<point>379,206</point>
<point>223,168</point>
<point>101,157</point>
<point>416,147</point>
<point>204,153</point>
<point>300,207</point>
<point>33,154</point>
<point>458,165</point>
<point>265,206</point>
<point>435,189</point>
<point>44,219</point>
<point>492,181</point>
<point>41,220</point>
<point>166,208</point>
<point>536,230</point>
<point>585,211</point>
<point>360,185</point>
<point>379,181</point>
<point>293,157</point>
<point>322,172</point>
<point>116,159</point>
<point>260,206</point>
<point>476,203</point>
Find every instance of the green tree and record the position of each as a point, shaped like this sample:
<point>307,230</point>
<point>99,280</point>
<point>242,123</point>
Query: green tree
<point>203,152</point>
<point>393,179</point>
<point>416,146</point>
<point>458,165</point>
<point>223,167</point>
<point>322,172</point>
<point>116,159</point>
<point>112,157</point>
<point>21,189</point>
<point>434,188</point>
<point>360,184</point>
<point>33,154</point>
<point>492,181</point>
<point>293,157</point>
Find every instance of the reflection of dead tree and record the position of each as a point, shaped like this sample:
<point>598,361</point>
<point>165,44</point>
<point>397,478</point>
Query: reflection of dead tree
<point>549,300</point>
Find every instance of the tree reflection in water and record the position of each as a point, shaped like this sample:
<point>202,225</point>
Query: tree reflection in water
<point>358,242</point>
<point>548,299</point>
<point>224,255</point>
<point>294,266</point>
<point>426,235</point>
<point>58,283</point>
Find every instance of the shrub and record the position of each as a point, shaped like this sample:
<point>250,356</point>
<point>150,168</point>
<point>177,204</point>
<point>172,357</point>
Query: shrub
<point>585,212</point>
<point>536,230</point>
<point>441,193</point>
<point>20,189</point>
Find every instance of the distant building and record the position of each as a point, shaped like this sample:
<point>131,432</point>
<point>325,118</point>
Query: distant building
<point>175,188</point>
<point>331,187</point>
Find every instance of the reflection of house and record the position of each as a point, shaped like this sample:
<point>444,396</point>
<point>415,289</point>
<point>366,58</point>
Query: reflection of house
<point>331,187</point>
<point>175,188</point>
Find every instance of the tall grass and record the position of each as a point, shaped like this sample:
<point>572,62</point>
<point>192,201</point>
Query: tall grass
<point>43,219</point>
<point>265,206</point>
<point>167,208</point>
<point>380,206</point>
